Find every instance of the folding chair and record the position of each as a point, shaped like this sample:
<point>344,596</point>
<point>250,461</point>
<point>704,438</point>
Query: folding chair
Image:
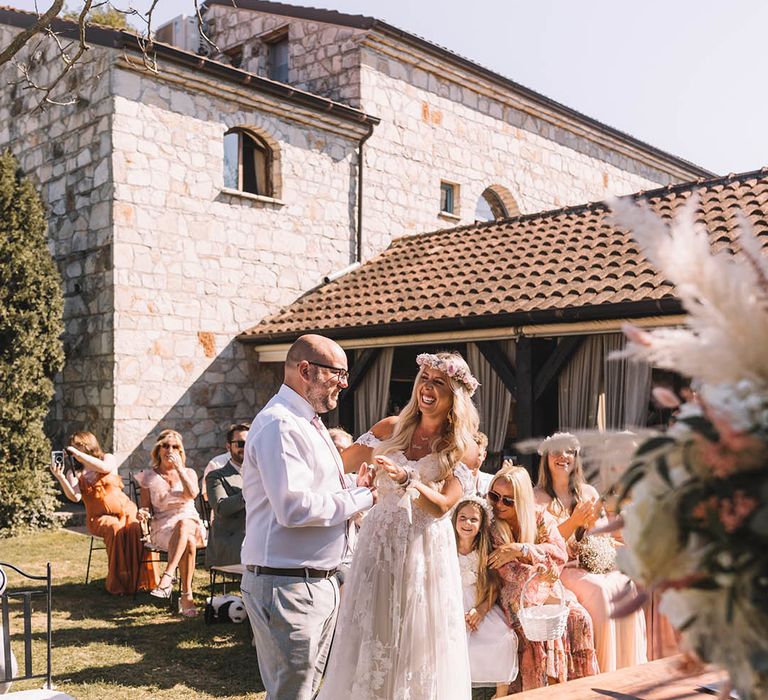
<point>26,596</point>
<point>152,554</point>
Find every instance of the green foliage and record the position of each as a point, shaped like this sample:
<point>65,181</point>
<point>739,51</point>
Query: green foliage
<point>106,15</point>
<point>31,307</point>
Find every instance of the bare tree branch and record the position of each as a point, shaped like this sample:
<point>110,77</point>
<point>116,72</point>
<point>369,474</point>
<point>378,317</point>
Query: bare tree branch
<point>201,28</point>
<point>43,23</point>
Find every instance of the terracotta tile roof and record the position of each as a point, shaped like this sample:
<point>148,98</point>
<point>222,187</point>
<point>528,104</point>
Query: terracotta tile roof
<point>561,265</point>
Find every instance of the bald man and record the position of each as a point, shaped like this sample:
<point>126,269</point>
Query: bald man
<point>297,504</point>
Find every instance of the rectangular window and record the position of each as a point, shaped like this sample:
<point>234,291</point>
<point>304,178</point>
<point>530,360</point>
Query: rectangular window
<point>448,198</point>
<point>235,56</point>
<point>277,59</point>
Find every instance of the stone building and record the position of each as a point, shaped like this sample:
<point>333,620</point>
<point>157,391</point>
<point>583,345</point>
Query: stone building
<point>190,202</point>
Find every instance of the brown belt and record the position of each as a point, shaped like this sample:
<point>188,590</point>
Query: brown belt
<point>298,573</point>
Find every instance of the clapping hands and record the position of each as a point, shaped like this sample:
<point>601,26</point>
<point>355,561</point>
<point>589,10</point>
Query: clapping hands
<point>586,513</point>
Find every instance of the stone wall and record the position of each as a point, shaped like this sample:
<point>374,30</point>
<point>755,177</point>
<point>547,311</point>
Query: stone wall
<point>65,150</point>
<point>433,130</point>
<point>324,58</point>
<point>445,121</point>
<point>194,264</point>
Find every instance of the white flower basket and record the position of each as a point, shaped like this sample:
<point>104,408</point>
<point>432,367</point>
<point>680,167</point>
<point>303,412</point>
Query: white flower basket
<point>543,623</point>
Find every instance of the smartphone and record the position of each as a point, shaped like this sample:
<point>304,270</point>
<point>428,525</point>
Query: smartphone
<point>57,458</point>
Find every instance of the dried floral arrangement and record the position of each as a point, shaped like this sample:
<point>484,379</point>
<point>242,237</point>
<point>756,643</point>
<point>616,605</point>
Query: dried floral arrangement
<point>694,500</point>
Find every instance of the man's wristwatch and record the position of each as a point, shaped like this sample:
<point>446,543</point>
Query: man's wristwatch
<point>524,550</point>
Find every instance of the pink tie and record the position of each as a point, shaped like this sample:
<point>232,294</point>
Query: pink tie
<point>329,443</point>
<point>336,460</point>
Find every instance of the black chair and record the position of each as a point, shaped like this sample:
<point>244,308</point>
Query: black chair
<point>26,598</point>
<point>93,548</point>
<point>152,554</point>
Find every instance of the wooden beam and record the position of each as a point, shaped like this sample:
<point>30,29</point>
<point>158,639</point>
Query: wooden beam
<point>524,366</point>
<point>360,368</point>
<point>501,364</point>
<point>564,351</point>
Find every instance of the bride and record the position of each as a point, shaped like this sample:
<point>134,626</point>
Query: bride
<point>401,632</point>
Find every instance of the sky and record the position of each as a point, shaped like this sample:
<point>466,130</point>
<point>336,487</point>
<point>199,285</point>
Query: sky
<point>686,76</point>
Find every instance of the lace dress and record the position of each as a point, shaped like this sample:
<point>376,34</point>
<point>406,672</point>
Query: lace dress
<point>400,633</point>
<point>493,645</point>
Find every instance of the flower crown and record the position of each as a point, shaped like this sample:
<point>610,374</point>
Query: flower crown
<point>451,368</point>
<point>476,501</point>
<point>559,442</point>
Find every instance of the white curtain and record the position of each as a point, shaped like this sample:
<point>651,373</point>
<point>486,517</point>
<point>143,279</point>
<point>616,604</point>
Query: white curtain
<point>372,395</point>
<point>580,385</point>
<point>492,399</point>
<point>627,387</point>
<point>595,392</point>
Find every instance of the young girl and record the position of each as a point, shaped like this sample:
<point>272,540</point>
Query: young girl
<point>492,644</point>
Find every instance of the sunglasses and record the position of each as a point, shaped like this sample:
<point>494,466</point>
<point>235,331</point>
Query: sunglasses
<point>238,443</point>
<point>169,446</point>
<point>494,498</point>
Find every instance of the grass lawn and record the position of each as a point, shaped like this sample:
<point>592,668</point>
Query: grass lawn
<point>113,647</point>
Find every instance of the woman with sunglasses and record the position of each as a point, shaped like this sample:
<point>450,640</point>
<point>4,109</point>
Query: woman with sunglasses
<point>168,491</point>
<point>576,506</point>
<point>401,629</point>
<point>109,513</point>
<point>526,541</point>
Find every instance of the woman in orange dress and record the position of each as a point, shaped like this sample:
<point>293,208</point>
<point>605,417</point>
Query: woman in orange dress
<point>110,514</point>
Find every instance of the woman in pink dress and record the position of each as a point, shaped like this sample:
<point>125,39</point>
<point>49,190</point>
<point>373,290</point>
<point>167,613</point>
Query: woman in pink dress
<point>527,540</point>
<point>576,506</point>
<point>168,493</point>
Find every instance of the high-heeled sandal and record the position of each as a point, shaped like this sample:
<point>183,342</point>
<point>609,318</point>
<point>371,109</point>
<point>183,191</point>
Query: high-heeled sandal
<point>164,591</point>
<point>187,612</point>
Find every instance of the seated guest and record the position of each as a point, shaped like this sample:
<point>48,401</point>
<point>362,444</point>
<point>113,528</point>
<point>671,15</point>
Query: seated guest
<point>109,513</point>
<point>576,506</point>
<point>480,480</point>
<point>216,463</point>
<point>225,494</point>
<point>526,540</point>
<point>169,490</point>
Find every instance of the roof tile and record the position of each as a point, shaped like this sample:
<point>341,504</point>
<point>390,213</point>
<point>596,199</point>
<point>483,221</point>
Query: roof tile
<point>564,259</point>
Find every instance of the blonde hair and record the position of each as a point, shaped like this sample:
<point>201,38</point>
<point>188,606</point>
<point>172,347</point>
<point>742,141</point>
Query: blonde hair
<point>482,440</point>
<point>487,578</point>
<point>525,505</point>
<point>463,422</point>
<point>155,454</point>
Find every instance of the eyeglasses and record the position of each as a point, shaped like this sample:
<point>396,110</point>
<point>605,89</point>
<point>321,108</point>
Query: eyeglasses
<point>238,443</point>
<point>494,498</point>
<point>169,446</point>
<point>341,373</point>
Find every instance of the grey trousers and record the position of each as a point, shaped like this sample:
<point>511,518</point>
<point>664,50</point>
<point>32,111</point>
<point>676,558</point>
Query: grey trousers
<point>292,621</point>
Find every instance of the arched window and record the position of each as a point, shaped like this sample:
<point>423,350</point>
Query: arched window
<point>496,202</point>
<point>247,163</point>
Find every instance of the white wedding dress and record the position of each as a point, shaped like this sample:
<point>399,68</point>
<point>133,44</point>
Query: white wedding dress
<point>400,633</point>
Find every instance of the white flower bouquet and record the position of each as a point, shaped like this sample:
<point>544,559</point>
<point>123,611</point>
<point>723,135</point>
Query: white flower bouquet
<point>694,501</point>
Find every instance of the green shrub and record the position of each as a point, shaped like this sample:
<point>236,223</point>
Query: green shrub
<point>31,306</point>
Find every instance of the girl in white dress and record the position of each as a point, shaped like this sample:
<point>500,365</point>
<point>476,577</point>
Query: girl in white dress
<point>400,632</point>
<point>492,643</point>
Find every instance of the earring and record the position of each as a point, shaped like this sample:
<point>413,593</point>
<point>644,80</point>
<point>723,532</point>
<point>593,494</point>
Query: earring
<point>450,417</point>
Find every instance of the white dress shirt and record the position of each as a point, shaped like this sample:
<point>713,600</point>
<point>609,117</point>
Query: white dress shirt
<point>296,508</point>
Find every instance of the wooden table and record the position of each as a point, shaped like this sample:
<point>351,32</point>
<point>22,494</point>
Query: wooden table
<point>657,680</point>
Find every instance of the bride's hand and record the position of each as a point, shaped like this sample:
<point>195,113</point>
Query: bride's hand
<point>366,474</point>
<point>394,472</point>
